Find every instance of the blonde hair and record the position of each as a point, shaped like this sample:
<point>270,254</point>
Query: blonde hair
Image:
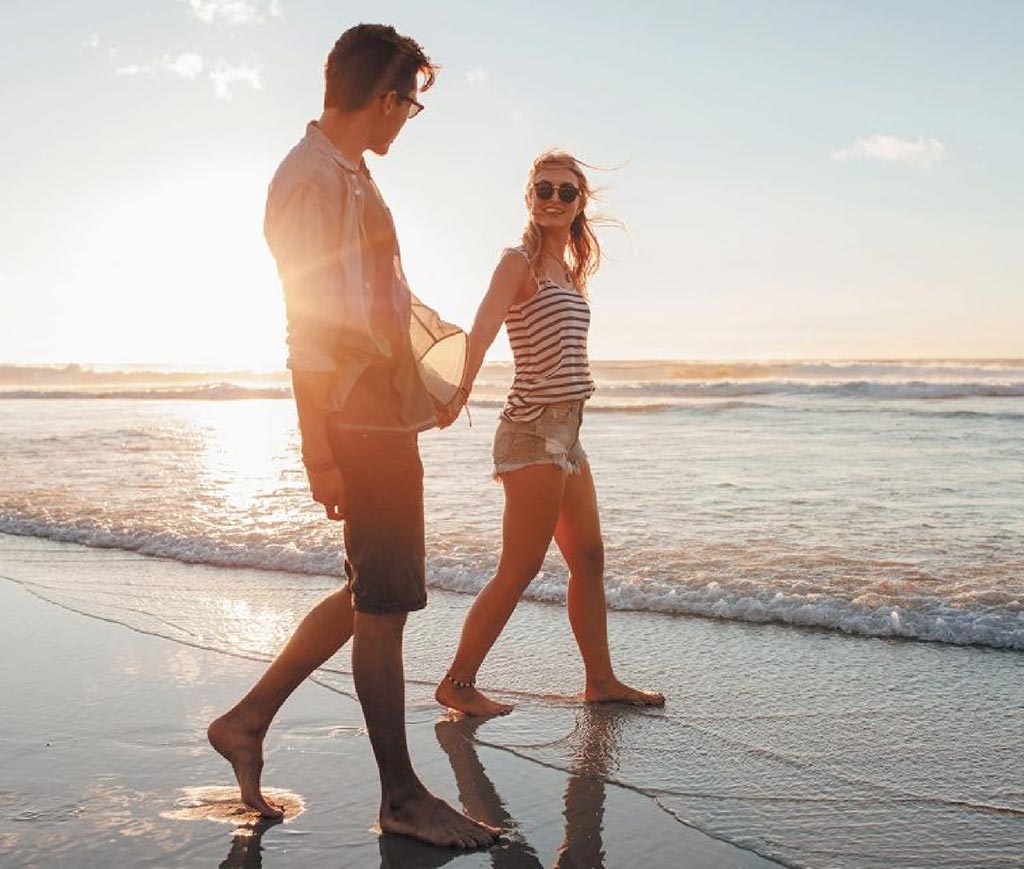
<point>582,246</point>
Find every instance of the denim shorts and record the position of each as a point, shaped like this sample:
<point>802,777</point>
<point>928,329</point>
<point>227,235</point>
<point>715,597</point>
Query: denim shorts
<point>551,439</point>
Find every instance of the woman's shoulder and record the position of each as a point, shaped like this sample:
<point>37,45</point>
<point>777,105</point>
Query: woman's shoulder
<point>516,266</point>
<point>515,260</point>
<point>517,252</point>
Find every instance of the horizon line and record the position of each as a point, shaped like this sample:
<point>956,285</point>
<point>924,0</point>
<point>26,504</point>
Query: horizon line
<point>179,367</point>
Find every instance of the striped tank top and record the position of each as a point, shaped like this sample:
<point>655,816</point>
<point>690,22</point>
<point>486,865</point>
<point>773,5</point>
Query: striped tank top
<point>548,335</point>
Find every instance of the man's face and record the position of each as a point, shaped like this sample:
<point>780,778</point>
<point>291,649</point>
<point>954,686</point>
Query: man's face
<point>392,111</point>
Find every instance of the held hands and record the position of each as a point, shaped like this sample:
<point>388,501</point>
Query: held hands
<point>447,414</point>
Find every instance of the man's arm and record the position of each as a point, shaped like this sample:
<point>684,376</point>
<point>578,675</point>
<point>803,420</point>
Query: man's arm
<point>312,392</point>
<point>298,230</point>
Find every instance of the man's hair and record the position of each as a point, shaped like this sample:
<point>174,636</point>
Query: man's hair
<point>371,59</point>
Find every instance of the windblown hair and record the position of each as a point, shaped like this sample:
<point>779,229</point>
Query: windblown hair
<point>583,248</point>
<point>370,59</point>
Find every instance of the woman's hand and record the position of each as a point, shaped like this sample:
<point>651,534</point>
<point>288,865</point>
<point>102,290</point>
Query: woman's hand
<point>328,488</point>
<point>447,414</point>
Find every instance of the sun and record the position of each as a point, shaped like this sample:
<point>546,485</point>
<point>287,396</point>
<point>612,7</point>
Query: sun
<point>179,274</point>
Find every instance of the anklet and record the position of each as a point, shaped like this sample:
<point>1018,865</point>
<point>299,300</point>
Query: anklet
<point>457,683</point>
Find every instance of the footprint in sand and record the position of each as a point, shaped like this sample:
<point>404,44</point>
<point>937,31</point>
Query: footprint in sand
<point>224,805</point>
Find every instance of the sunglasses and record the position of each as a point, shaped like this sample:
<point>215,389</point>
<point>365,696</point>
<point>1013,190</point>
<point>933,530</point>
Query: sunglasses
<point>566,192</point>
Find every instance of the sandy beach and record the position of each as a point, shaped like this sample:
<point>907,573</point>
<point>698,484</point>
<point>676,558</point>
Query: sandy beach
<point>104,760</point>
<point>799,745</point>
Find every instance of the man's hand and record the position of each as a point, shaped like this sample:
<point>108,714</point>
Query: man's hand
<point>328,488</point>
<point>447,414</point>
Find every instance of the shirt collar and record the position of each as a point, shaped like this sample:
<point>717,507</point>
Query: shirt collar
<point>319,138</point>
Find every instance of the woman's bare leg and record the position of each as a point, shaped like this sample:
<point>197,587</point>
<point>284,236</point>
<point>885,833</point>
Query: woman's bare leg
<point>238,734</point>
<point>533,497</point>
<point>578,534</point>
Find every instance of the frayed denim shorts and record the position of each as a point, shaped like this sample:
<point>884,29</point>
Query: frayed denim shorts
<point>551,439</point>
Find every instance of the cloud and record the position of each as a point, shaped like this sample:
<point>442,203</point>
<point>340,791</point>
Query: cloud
<point>233,11</point>
<point>189,66</point>
<point>478,76</point>
<point>224,76</point>
<point>186,65</point>
<point>93,41</point>
<point>926,153</point>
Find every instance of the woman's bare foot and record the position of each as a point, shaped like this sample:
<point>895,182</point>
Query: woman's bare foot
<point>615,691</point>
<point>242,747</point>
<point>429,819</point>
<point>469,700</point>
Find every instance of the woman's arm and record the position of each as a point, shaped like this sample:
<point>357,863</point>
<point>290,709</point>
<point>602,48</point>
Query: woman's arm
<point>512,272</point>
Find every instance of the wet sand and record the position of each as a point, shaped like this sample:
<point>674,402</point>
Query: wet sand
<point>104,762</point>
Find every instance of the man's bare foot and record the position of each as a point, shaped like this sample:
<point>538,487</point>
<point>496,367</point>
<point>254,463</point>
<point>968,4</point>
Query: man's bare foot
<point>242,747</point>
<point>618,692</point>
<point>429,819</point>
<point>469,700</point>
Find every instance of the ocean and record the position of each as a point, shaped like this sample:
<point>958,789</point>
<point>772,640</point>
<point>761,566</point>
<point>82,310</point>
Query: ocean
<point>873,498</point>
<point>820,563</point>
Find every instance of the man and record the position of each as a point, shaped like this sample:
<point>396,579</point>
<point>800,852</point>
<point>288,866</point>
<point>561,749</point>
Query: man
<point>371,367</point>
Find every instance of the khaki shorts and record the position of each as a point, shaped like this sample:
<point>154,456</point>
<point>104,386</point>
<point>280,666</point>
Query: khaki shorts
<point>551,439</point>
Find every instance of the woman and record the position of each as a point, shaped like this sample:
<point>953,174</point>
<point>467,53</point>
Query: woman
<point>549,491</point>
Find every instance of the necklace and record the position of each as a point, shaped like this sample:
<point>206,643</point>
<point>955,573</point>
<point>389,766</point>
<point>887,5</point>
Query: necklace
<point>560,262</point>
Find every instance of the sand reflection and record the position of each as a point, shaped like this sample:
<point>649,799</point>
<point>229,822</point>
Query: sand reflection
<point>250,629</point>
<point>593,757</point>
<point>246,851</point>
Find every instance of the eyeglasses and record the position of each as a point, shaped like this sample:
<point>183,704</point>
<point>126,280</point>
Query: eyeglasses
<point>414,107</point>
<point>566,192</point>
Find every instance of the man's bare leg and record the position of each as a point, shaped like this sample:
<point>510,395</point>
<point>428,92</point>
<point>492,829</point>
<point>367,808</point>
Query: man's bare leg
<point>238,734</point>
<point>406,807</point>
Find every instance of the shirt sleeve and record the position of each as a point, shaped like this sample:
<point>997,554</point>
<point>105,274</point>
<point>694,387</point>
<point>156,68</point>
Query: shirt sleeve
<point>301,230</point>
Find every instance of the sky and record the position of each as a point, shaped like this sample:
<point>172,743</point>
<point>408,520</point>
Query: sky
<point>797,179</point>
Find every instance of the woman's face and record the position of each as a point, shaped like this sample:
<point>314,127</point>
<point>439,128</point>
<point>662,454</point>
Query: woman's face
<point>552,213</point>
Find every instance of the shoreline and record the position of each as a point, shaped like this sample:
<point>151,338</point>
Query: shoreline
<point>886,622</point>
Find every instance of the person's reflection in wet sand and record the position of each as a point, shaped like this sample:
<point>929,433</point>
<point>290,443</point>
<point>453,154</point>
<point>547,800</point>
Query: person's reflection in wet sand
<point>593,756</point>
<point>593,746</point>
<point>478,794</point>
<point>246,851</point>
<point>401,852</point>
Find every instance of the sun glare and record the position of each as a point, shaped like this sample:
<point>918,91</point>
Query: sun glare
<point>179,274</point>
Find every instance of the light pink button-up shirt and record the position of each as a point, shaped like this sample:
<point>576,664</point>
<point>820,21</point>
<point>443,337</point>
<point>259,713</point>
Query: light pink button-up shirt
<point>347,300</point>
